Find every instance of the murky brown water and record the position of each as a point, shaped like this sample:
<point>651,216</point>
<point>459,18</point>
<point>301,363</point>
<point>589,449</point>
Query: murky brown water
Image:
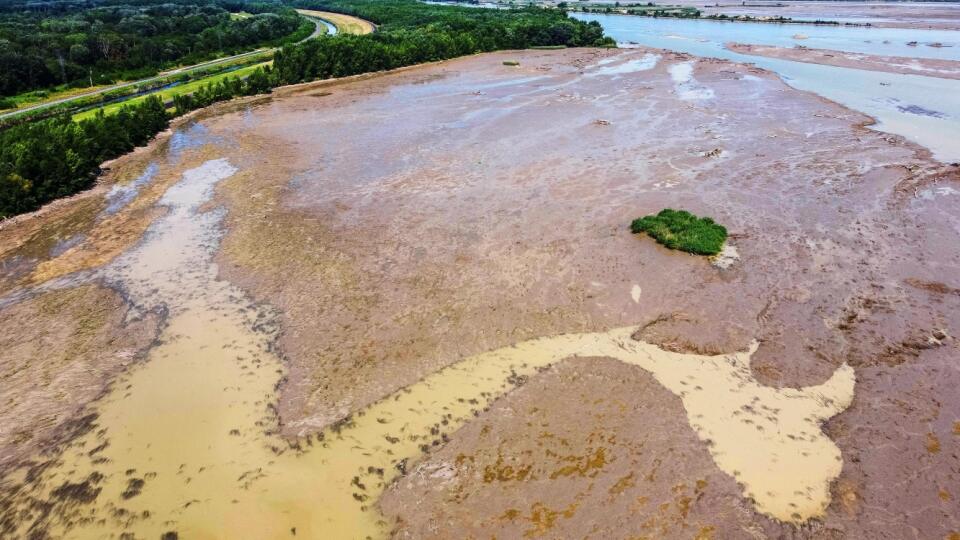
<point>187,440</point>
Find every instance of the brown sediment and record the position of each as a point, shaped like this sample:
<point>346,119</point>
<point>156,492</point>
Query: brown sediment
<point>343,246</point>
<point>927,67</point>
<point>402,223</point>
<point>410,261</point>
<point>178,430</point>
<point>650,486</point>
<point>61,351</point>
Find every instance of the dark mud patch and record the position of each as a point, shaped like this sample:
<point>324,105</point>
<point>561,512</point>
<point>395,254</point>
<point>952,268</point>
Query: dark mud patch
<point>934,287</point>
<point>684,333</point>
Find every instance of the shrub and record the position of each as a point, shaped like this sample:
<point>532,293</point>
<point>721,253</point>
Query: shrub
<point>679,229</point>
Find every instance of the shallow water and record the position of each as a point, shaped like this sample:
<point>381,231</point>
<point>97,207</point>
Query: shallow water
<point>120,195</point>
<point>187,440</point>
<point>892,99</point>
<point>648,62</point>
<point>685,85</point>
<point>852,39</point>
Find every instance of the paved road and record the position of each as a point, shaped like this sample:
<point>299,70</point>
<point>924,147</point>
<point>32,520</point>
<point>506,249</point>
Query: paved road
<point>321,27</point>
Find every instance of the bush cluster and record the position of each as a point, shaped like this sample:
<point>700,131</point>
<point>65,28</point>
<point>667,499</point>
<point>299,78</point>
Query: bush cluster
<point>679,229</point>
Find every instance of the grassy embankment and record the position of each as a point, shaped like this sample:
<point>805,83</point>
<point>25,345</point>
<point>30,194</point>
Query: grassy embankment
<point>65,45</point>
<point>169,93</point>
<point>208,70</point>
<point>345,25</point>
<point>37,97</point>
<point>350,25</point>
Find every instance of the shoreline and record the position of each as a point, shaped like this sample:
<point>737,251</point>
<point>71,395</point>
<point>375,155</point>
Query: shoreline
<point>925,67</point>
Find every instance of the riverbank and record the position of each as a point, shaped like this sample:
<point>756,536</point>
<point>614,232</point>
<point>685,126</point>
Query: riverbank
<point>926,67</point>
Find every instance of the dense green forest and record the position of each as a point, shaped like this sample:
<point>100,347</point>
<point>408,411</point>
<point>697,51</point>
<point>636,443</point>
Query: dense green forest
<point>49,44</point>
<point>47,159</point>
<point>412,32</point>
<point>55,158</point>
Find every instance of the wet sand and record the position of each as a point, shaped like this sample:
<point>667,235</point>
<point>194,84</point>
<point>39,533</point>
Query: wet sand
<point>927,67</point>
<point>319,257</point>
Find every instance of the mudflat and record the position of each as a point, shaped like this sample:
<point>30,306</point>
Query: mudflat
<point>927,67</point>
<point>410,304</point>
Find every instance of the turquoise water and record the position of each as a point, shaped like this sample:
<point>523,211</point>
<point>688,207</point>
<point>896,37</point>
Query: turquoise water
<point>925,110</point>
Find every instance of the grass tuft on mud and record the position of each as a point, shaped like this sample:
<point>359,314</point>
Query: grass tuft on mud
<point>679,229</point>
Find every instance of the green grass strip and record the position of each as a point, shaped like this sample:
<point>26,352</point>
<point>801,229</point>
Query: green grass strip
<point>167,94</point>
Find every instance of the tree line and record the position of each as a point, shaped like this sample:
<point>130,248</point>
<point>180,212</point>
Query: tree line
<point>43,160</point>
<point>411,32</point>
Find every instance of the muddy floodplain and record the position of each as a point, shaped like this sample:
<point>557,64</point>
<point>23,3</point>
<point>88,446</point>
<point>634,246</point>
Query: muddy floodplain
<point>410,305</point>
<point>928,67</point>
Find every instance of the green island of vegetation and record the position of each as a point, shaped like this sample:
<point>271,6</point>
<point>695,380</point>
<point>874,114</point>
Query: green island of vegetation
<point>679,229</point>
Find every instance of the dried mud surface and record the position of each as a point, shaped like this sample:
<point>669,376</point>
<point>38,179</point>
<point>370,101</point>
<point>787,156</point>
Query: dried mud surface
<point>928,67</point>
<point>400,223</point>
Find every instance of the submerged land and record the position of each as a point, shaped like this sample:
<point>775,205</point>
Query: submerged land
<point>410,305</point>
<point>929,67</point>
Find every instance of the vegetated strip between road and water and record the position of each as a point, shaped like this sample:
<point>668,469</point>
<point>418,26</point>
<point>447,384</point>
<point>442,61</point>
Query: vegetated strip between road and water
<point>74,48</point>
<point>183,80</point>
<point>328,23</point>
<point>44,160</point>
